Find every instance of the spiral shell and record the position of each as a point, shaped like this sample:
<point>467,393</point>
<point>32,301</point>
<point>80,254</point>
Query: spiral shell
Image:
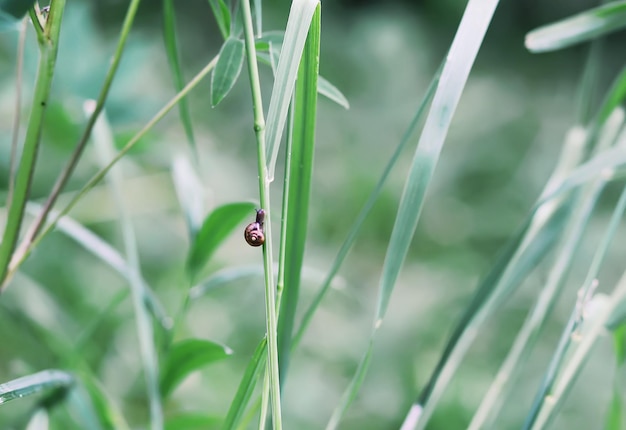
<point>254,231</point>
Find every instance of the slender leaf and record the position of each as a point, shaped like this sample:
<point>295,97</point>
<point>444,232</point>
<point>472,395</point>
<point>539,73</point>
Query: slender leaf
<point>299,187</point>
<point>187,356</point>
<point>227,69</point>
<point>246,386</point>
<point>455,73</point>
<point>615,97</point>
<point>90,400</point>
<point>39,420</point>
<point>615,416</point>
<point>171,48</point>
<point>189,191</point>
<point>37,382</point>
<point>222,16</point>
<point>298,24</point>
<point>215,229</point>
<point>578,28</point>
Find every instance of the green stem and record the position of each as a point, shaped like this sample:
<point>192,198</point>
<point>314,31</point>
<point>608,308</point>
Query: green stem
<point>45,71</point>
<point>264,197</point>
<point>64,176</point>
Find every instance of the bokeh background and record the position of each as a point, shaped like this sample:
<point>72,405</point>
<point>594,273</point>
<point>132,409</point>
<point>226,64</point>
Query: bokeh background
<point>503,144</point>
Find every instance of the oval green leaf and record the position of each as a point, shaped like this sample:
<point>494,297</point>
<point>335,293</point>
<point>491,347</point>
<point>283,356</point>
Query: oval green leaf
<point>187,356</point>
<point>227,69</point>
<point>215,228</point>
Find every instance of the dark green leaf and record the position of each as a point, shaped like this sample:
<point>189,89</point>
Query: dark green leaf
<point>187,356</point>
<point>216,227</point>
<point>331,92</point>
<point>15,8</point>
<point>227,69</point>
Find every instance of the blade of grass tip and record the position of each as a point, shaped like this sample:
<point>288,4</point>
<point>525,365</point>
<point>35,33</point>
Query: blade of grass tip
<point>173,57</point>
<point>454,75</point>
<point>23,178</point>
<point>299,188</point>
<point>578,28</point>
<point>18,108</point>
<point>22,253</point>
<point>264,198</point>
<point>331,92</point>
<point>103,139</point>
<point>246,386</point>
<point>296,32</point>
<point>525,340</point>
<point>28,385</point>
<point>34,229</point>
<point>367,207</point>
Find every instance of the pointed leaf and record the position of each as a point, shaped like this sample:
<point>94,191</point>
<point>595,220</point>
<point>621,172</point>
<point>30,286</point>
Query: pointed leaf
<point>331,92</point>
<point>578,28</point>
<point>187,356</point>
<point>227,69</point>
<point>215,229</point>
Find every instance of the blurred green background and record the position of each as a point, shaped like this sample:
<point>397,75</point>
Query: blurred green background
<point>502,147</point>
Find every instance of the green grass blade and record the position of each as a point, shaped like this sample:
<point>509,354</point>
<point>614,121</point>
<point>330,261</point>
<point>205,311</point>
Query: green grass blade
<point>615,97</point>
<point>108,413</point>
<point>39,420</point>
<point>187,356</point>
<point>578,28</point>
<point>227,69</point>
<point>298,24</point>
<point>171,48</point>
<point>222,16</point>
<point>454,75</point>
<point>246,386</point>
<point>299,187</point>
<point>615,416</point>
<point>217,226</point>
<point>104,143</point>
<point>37,382</point>
<point>367,207</point>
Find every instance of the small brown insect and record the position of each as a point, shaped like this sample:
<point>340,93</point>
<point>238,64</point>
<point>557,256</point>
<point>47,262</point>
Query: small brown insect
<point>254,231</point>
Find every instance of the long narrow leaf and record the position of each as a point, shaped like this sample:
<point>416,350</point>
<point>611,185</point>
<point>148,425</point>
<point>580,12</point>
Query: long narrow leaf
<point>301,169</point>
<point>455,73</point>
<point>298,24</point>
<point>35,383</point>
<point>227,69</point>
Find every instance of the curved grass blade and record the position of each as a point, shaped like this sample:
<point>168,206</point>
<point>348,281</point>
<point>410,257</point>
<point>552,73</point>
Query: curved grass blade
<point>187,356</point>
<point>578,28</point>
<point>222,16</point>
<point>367,207</point>
<point>455,73</point>
<point>89,398</point>
<point>246,386</point>
<point>227,69</point>
<point>171,48</point>
<point>299,187</point>
<point>215,229</point>
<point>298,24</point>
<point>37,382</point>
<point>104,143</point>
